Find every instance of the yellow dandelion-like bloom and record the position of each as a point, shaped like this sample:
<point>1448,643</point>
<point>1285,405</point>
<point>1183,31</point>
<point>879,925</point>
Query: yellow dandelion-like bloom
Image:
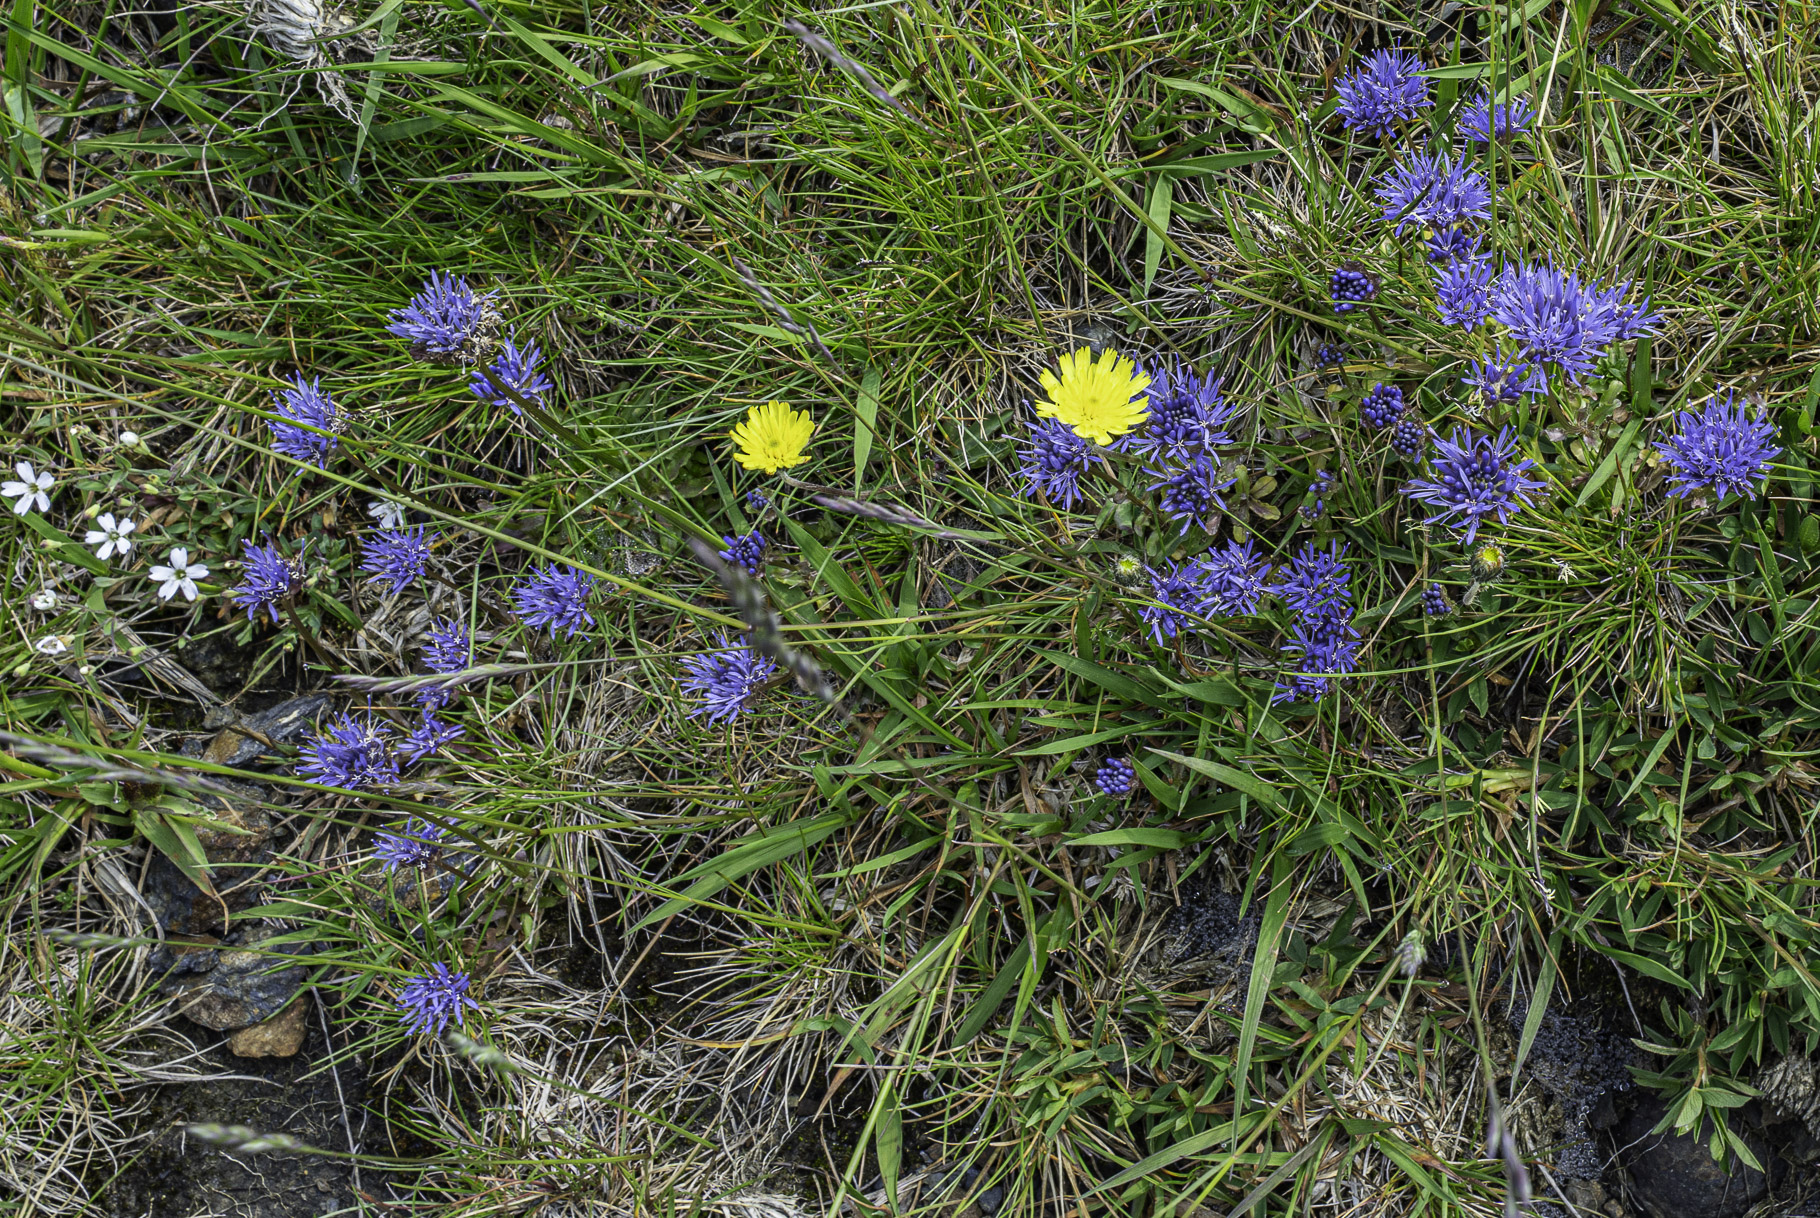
<point>773,437</point>
<point>1099,398</point>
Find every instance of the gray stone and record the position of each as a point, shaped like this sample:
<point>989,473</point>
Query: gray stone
<point>1676,1176</point>
<point>244,987</point>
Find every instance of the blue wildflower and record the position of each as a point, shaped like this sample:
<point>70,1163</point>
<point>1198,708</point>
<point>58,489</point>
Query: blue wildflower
<point>353,753</point>
<point>1429,190</point>
<point>1456,244</point>
<point>1177,593</point>
<point>1317,489</point>
<point>446,648</point>
<point>1326,646</point>
<point>270,579</point>
<point>1475,477</point>
<point>305,402</point>
<point>429,1002</point>
<point>747,551</point>
<point>1329,354</point>
<point>556,597</point>
<point>1720,449</point>
<point>1053,461</point>
<point>397,556</point>
<point>1499,379</point>
<point>446,323</point>
<point>1315,582</point>
<point>515,368</point>
<point>1115,777</point>
<point>1434,601</point>
<point>428,737</point>
<point>1191,494</point>
<point>728,679</point>
<point>1351,286</point>
<point>419,844</point>
<point>757,502</point>
<point>1463,292</point>
<point>1186,414</point>
<point>1409,437</point>
<point>1555,318</point>
<point>1232,580</point>
<point>1387,90</point>
<point>1481,122</point>
<point>1382,406</point>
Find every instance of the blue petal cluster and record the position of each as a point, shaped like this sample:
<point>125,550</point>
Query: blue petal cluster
<point>1315,583</point>
<point>1409,437</point>
<point>271,578</point>
<point>1434,601</point>
<point>305,402</point>
<point>1383,93</point>
<point>446,323</point>
<point>747,551</point>
<point>1316,507</point>
<point>1323,643</point>
<point>397,557</point>
<point>1481,122</point>
<point>1720,449</point>
<point>429,1002</point>
<point>556,597</point>
<point>1350,287</point>
<point>516,369</point>
<point>1382,406</point>
<point>1191,493</point>
<point>428,737</point>
<point>1431,190</point>
<point>446,648</point>
<point>727,679</point>
<point>419,844</point>
<point>1328,354</point>
<point>1052,461</point>
<point>1554,318</point>
<point>1498,379</point>
<point>1457,244</point>
<point>1232,580</point>
<point>354,753</point>
<point>1186,415</point>
<point>1475,477</point>
<point>1463,291</point>
<point>1177,596</point>
<point>1115,777</point>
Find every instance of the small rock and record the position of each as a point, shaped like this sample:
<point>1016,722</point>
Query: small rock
<point>1675,1176</point>
<point>279,1036</point>
<point>239,742</point>
<point>244,987</point>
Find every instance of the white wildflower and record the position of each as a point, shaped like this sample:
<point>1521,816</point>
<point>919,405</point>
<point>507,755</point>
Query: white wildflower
<point>390,515</point>
<point>1564,571</point>
<point>129,439</point>
<point>44,600</point>
<point>180,576</point>
<point>51,645</point>
<point>111,537</point>
<point>31,487</point>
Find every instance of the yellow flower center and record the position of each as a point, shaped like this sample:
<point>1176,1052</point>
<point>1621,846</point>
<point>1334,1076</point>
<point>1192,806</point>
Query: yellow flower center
<point>1099,399</point>
<point>772,437</point>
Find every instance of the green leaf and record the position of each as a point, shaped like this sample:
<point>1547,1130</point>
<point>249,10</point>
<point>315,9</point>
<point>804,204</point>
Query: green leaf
<point>1163,839</point>
<point>888,1140</point>
<point>1108,680</point>
<point>865,423</point>
<point>1622,87</point>
<point>1238,780</point>
<point>759,849</point>
<point>1162,195</point>
<point>1609,466</point>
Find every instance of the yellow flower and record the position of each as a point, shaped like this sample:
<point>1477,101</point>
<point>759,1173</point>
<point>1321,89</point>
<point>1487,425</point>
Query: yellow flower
<point>773,437</point>
<point>1099,398</point>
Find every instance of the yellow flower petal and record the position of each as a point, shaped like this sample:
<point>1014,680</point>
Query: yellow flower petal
<point>1100,399</point>
<point>772,437</point>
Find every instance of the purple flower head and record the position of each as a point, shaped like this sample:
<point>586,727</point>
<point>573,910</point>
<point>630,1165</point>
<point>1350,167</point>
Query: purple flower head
<point>556,597</point>
<point>747,551</point>
<point>446,648</point>
<point>353,753</point>
<point>1351,286</point>
<point>1382,406</point>
<point>1481,122</point>
<point>429,1002</point>
<point>305,402</point>
<point>1177,592</point>
<point>515,368</point>
<point>1387,90</point>
<point>1186,414</point>
<point>1463,292</point>
<point>419,844</point>
<point>1115,777</point>
<point>757,502</point>
<point>1434,601</point>
<point>1457,244</point>
<point>1720,449</point>
<point>270,578</point>
<point>1315,582</point>
<point>1053,460</point>
<point>1322,647</point>
<point>446,323</point>
<point>397,556</point>
<point>1191,494</point>
<point>1428,190</point>
<point>728,680</point>
<point>1232,580</point>
<point>1328,354</point>
<point>1475,477</point>
<point>1316,507</point>
<point>428,737</point>
<point>1409,437</point>
<point>1497,380</point>
<point>1557,319</point>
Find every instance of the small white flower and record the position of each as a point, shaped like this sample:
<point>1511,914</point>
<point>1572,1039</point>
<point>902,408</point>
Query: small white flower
<point>1566,572</point>
<point>111,536</point>
<point>44,600</point>
<point>51,645</point>
<point>180,576</point>
<point>389,515</point>
<point>31,487</point>
<point>129,439</point>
